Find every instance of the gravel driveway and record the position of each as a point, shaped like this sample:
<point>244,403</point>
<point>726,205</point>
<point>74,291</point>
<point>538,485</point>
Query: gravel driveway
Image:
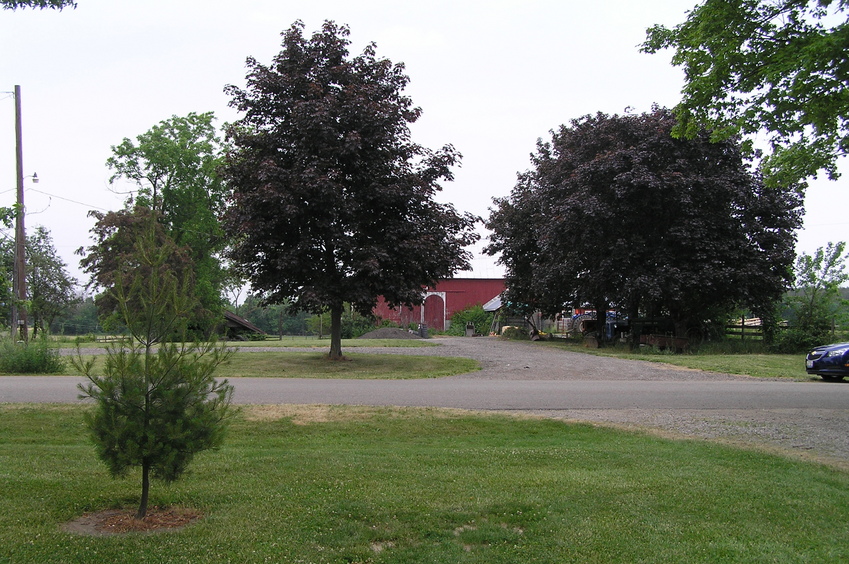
<point>819,434</point>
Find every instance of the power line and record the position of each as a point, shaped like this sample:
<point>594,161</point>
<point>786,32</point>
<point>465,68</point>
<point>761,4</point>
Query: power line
<point>91,206</point>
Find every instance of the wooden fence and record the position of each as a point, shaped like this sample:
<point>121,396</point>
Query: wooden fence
<point>746,329</point>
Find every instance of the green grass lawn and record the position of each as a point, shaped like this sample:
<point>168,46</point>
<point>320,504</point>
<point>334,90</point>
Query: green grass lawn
<point>314,342</point>
<point>751,364</point>
<point>382,485</point>
<point>356,366</point>
<point>745,363</point>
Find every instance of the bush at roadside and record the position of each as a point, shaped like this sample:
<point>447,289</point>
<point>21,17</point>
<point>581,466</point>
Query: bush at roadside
<point>34,357</point>
<point>796,340</point>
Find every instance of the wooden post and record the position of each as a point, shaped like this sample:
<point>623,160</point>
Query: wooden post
<point>19,282</point>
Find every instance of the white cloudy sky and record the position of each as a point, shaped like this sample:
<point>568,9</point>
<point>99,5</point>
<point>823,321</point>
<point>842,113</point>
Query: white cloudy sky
<point>491,76</point>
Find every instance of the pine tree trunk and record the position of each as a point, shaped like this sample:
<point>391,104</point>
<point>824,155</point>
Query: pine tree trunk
<point>140,514</point>
<point>335,332</point>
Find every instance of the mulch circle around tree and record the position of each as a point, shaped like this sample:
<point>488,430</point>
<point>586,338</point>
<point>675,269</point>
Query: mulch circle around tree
<point>122,521</point>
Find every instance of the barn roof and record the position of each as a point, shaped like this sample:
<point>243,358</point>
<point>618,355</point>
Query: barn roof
<point>238,322</point>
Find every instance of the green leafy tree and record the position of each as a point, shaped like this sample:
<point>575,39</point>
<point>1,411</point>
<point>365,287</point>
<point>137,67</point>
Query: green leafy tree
<point>52,291</point>
<point>157,404</point>
<point>79,319</point>
<point>332,203</point>
<point>815,301</point>
<point>779,66</point>
<point>617,213</point>
<point>7,259</point>
<point>172,168</point>
<point>274,319</point>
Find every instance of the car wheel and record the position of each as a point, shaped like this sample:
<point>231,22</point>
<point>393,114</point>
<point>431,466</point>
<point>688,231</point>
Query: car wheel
<point>831,378</point>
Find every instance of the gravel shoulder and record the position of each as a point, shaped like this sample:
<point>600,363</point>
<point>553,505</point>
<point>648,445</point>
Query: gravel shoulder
<point>812,434</point>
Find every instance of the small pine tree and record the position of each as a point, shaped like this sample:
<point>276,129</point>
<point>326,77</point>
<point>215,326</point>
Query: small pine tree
<point>155,406</point>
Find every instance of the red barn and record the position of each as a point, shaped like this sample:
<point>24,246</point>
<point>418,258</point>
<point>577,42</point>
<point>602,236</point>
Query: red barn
<point>442,301</point>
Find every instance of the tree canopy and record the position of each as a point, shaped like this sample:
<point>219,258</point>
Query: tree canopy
<point>617,213</point>
<point>332,202</point>
<point>815,300</point>
<point>54,4</point>
<point>51,291</point>
<point>113,256</point>
<point>778,66</point>
<point>172,169</point>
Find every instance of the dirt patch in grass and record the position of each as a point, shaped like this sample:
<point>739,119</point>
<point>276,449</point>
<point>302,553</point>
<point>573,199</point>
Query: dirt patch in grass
<point>318,413</point>
<point>122,521</point>
<point>299,414</point>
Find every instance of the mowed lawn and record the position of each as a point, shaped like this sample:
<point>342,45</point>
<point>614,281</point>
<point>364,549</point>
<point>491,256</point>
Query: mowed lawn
<point>760,365</point>
<point>291,364</point>
<point>322,484</point>
<point>355,366</point>
<point>316,343</point>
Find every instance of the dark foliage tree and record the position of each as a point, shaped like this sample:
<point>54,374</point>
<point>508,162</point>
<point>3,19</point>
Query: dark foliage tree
<point>332,202</point>
<point>618,213</point>
<point>113,256</point>
<point>766,65</point>
<point>54,4</point>
<point>157,404</point>
<point>172,169</point>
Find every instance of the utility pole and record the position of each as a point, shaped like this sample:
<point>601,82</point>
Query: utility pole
<point>19,278</point>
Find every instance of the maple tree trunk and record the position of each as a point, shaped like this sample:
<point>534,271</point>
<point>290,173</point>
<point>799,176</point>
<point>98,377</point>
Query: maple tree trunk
<point>335,332</point>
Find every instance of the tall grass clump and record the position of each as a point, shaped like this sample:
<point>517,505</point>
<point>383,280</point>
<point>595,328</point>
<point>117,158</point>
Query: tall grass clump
<point>32,357</point>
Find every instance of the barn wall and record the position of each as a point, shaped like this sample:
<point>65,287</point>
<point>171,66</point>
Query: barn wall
<point>458,294</point>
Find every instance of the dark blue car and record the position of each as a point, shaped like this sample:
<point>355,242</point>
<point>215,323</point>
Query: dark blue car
<point>829,361</point>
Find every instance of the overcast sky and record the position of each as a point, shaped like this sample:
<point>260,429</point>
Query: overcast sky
<point>491,77</point>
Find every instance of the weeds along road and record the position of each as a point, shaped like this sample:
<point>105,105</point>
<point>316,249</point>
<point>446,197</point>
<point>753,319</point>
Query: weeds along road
<point>803,417</point>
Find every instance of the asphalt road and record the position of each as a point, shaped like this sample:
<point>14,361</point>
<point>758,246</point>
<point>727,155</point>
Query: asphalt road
<point>807,418</point>
<point>521,395</point>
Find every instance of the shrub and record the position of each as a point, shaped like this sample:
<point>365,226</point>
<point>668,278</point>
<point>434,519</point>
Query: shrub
<point>515,333</point>
<point>796,340</point>
<point>472,314</point>
<point>33,357</point>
